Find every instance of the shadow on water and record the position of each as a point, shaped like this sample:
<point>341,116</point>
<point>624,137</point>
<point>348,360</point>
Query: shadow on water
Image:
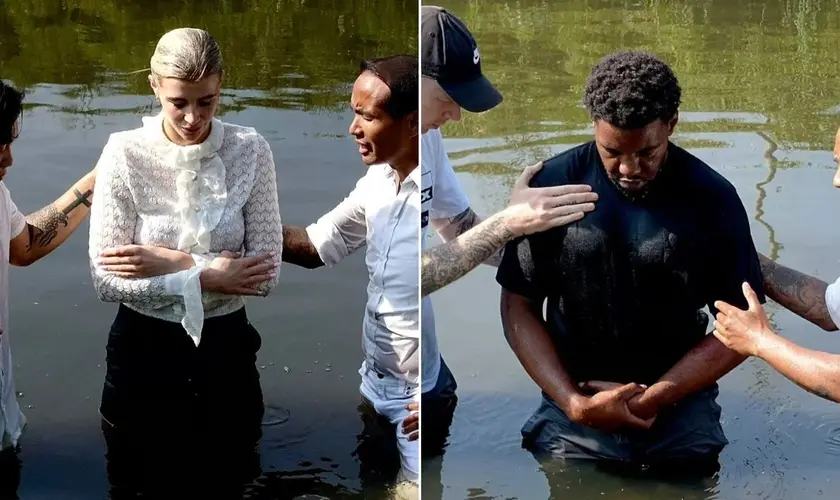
<point>759,106</point>
<point>289,65</point>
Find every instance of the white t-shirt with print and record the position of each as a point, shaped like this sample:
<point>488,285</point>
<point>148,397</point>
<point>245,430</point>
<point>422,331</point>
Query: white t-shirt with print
<point>441,197</point>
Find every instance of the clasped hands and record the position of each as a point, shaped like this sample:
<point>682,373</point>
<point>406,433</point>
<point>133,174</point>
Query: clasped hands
<point>226,273</point>
<point>611,406</point>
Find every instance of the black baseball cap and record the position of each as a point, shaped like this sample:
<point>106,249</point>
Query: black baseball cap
<point>450,55</point>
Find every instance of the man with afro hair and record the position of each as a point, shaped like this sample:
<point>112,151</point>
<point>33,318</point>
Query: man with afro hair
<point>627,369</point>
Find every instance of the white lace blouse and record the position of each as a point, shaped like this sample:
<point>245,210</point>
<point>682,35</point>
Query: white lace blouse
<point>201,199</point>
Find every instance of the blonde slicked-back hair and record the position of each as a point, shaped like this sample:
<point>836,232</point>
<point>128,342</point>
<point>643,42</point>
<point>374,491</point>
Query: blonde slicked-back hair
<point>186,54</point>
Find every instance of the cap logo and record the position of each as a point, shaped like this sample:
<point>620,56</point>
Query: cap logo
<point>476,57</point>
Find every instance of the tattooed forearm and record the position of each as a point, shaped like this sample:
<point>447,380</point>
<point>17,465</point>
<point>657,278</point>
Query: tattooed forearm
<point>81,199</point>
<point>460,224</point>
<point>452,227</point>
<point>49,227</point>
<point>800,293</point>
<point>43,226</point>
<point>298,249</point>
<point>450,261</point>
<point>463,222</point>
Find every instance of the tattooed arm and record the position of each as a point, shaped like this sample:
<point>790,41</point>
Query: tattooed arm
<point>470,242</point>
<point>452,260</point>
<point>298,248</point>
<point>800,293</point>
<point>48,228</point>
<point>451,228</point>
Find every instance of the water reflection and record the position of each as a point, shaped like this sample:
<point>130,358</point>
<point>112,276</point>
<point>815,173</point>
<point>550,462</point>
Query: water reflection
<point>758,106</point>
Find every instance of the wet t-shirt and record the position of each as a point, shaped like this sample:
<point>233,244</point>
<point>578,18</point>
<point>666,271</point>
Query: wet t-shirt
<point>624,285</point>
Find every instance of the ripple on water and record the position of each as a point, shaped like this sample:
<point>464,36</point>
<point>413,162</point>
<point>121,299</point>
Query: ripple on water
<point>275,415</point>
<point>829,426</point>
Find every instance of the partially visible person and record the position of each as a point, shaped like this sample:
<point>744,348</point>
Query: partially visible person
<point>23,241</point>
<point>748,331</point>
<point>622,356</point>
<point>185,223</point>
<point>452,80</point>
<point>381,214</point>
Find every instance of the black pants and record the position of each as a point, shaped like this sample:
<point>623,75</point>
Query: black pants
<point>437,408</point>
<point>10,467</point>
<point>180,420</point>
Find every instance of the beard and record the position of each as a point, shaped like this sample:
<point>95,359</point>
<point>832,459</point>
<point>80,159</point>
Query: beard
<point>634,195</point>
<point>640,194</point>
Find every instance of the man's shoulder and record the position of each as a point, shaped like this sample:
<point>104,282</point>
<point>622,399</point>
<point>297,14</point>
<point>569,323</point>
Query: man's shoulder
<point>5,196</point>
<point>701,177</point>
<point>567,167</point>
<point>431,139</point>
<point>431,149</point>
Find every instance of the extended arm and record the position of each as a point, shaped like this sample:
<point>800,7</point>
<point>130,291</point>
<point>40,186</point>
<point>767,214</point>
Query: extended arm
<point>450,229</point>
<point>479,243</point>
<point>335,235</point>
<point>469,241</point>
<point>816,372</point>
<point>49,227</point>
<point>298,248</point>
<point>800,293</point>
<point>749,332</point>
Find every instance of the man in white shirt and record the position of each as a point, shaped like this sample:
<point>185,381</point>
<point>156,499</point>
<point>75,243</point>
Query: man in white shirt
<point>382,214</point>
<point>452,79</point>
<point>24,240</point>
<point>750,333</point>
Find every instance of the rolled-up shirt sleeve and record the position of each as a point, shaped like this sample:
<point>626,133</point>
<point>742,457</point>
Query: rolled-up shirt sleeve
<point>342,230</point>
<point>832,301</point>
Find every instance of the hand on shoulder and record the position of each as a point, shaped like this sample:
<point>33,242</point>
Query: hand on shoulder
<point>532,210</point>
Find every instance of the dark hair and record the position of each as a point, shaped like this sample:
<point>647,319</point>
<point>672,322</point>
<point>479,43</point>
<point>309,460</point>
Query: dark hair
<point>11,108</point>
<point>630,90</point>
<point>399,73</point>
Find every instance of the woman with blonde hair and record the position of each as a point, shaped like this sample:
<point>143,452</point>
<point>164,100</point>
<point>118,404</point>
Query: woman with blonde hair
<point>185,223</point>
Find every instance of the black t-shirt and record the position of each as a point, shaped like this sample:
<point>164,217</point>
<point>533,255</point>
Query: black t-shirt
<point>625,283</point>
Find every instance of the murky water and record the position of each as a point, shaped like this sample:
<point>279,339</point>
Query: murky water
<point>289,67</point>
<point>760,105</point>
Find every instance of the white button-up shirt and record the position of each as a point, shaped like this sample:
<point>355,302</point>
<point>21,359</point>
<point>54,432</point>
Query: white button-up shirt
<point>832,301</point>
<point>12,421</point>
<point>386,219</point>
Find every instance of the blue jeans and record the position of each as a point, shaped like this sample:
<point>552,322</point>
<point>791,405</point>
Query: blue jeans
<point>688,431</point>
